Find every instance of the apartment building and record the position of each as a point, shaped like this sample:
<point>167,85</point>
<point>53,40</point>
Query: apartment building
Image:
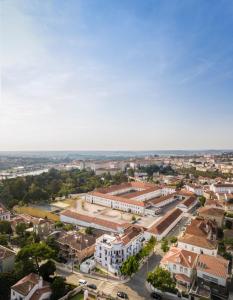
<point>111,251</point>
<point>76,246</point>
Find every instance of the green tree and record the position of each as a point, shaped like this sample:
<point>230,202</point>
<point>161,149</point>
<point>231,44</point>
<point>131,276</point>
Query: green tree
<point>51,242</point>
<point>5,227</point>
<point>130,172</point>
<point>6,281</point>
<point>161,279</point>
<point>59,224</point>
<point>3,239</point>
<point>68,227</point>
<point>129,266</point>
<point>20,229</point>
<point>173,239</point>
<point>23,268</point>
<point>164,245</point>
<point>202,200</point>
<point>36,252</point>
<point>47,269</point>
<point>228,224</point>
<point>58,287</point>
<point>89,230</point>
<point>134,218</point>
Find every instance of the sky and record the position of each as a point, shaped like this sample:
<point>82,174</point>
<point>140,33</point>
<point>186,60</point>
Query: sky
<point>116,75</point>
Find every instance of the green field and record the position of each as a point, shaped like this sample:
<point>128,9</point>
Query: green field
<point>79,296</point>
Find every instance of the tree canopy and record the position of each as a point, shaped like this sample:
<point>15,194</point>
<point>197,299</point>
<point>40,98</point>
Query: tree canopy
<point>161,279</point>
<point>35,252</point>
<point>129,266</point>
<point>47,186</point>
<point>5,227</point>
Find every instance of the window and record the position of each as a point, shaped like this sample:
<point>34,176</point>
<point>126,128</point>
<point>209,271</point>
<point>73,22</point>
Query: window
<point>181,269</point>
<point>174,267</point>
<point>185,270</point>
<point>206,277</point>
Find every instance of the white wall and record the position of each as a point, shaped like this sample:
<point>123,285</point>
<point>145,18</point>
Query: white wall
<point>69,220</point>
<point>197,249</point>
<point>221,281</point>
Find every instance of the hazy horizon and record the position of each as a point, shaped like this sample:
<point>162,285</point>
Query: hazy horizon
<point>104,75</point>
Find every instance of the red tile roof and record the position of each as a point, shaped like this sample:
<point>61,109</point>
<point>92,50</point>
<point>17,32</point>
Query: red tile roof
<point>198,241</point>
<point>158,200</point>
<point>27,283</point>
<point>217,266</point>
<point>118,199</point>
<point>165,221</point>
<point>179,256</point>
<point>5,253</point>
<point>94,220</point>
<point>189,201</point>
<point>211,211</point>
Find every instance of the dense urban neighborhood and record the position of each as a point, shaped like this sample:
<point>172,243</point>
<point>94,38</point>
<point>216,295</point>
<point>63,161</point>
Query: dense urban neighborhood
<point>133,228</point>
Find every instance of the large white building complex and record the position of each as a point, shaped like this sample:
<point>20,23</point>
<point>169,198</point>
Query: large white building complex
<point>133,197</point>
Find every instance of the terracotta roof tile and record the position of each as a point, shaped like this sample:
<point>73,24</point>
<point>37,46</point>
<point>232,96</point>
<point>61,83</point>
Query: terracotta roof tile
<point>181,257</point>
<point>165,221</point>
<point>217,266</point>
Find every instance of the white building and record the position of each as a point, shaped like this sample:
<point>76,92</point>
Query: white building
<point>187,204</point>
<point>87,265</point>
<point>72,217</point>
<point>129,197</point>
<point>181,264</point>
<point>198,244</point>
<point>222,188</point>
<point>196,189</point>
<point>5,215</point>
<point>111,251</point>
<point>213,269</point>
<point>31,287</point>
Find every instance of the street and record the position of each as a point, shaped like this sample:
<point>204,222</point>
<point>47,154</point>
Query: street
<point>135,288</point>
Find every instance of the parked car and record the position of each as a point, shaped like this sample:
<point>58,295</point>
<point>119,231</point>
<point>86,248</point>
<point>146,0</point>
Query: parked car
<point>92,286</point>
<point>155,295</point>
<point>122,295</point>
<point>82,281</point>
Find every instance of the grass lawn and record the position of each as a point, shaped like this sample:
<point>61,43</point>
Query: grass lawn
<point>36,212</point>
<point>79,296</point>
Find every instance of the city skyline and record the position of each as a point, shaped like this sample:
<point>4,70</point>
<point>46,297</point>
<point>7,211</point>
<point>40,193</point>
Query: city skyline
<point>116,75</point>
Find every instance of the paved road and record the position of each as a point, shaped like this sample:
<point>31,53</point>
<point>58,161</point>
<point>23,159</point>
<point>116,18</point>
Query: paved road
<point>137,283</point>
<point>135,288</point>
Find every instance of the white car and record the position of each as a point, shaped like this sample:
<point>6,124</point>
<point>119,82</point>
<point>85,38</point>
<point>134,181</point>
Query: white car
<point>82,282</point>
